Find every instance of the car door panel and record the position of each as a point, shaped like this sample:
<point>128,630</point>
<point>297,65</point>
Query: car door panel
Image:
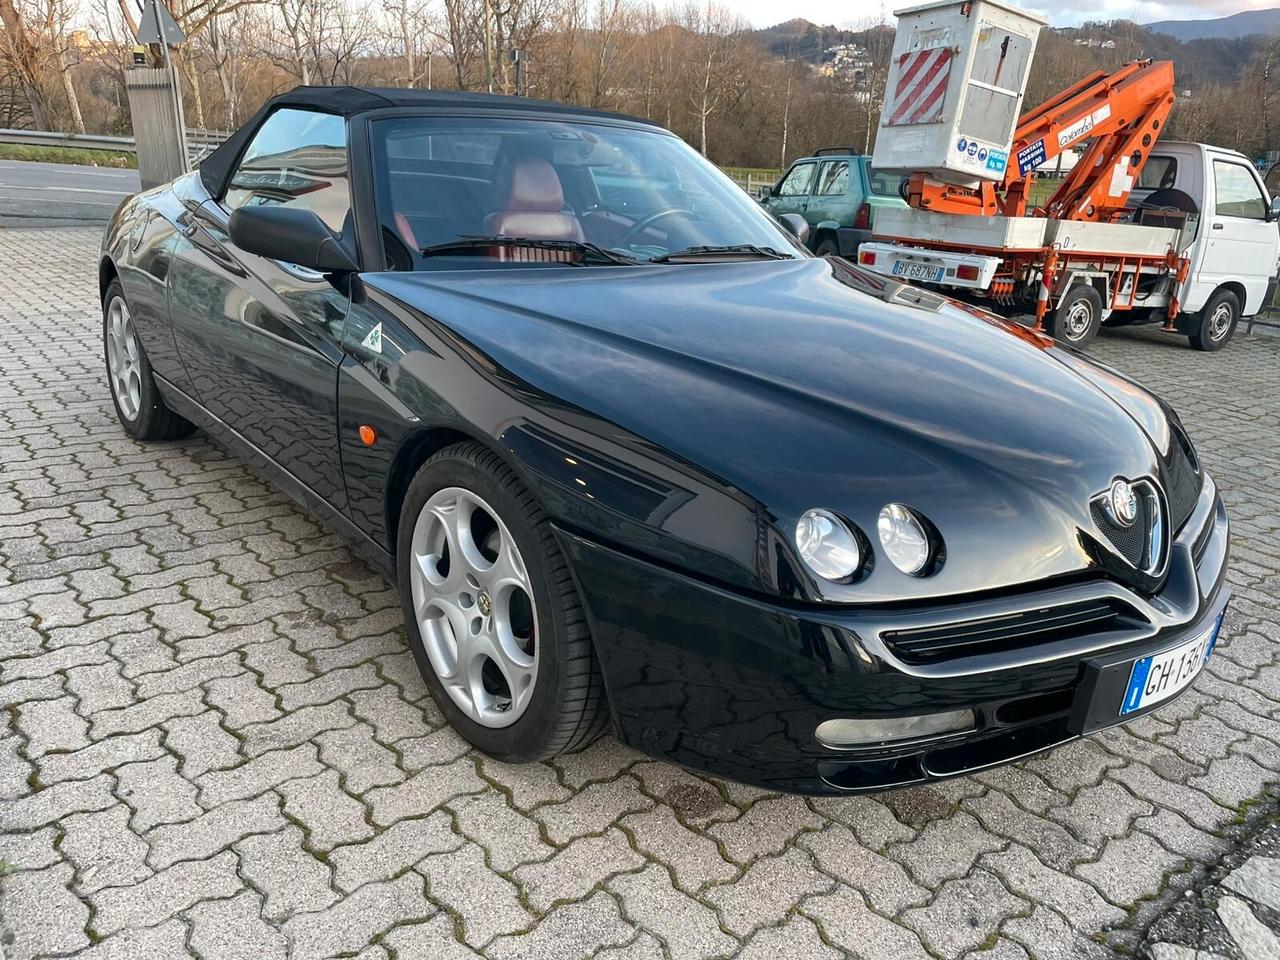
<point>262,343</point>
<point>1240,243</point>
<point>261,339</point>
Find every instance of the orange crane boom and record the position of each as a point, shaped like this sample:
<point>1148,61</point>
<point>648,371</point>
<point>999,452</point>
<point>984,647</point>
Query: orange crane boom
<point>1122,113</point>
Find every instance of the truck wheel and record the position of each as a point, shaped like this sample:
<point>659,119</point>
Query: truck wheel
<point>1218,321</point>
<point>1076,319</point>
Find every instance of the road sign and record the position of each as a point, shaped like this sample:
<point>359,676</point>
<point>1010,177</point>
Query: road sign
<point>158,25</point>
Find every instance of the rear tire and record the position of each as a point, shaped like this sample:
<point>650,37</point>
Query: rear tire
<point>139,407</point>
<point>828,247</point>
<point>471,540</point>
<point>1218,320</point>
<point>1076,319</point>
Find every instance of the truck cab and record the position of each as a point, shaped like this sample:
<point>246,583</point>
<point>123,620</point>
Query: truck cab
<point>838,194</point>
<point>1235,251</point>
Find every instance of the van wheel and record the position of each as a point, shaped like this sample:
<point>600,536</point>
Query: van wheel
<point>1218,321</point>
<point>1076,319</point>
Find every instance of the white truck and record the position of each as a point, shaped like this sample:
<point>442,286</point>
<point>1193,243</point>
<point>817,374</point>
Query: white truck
<point>1139,230</point>
<point>1207,204</point>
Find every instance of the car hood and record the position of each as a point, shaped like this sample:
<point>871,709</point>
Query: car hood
<point>807,382</point>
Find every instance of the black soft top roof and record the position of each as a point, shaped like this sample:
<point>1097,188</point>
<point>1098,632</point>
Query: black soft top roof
<point>348,101</point>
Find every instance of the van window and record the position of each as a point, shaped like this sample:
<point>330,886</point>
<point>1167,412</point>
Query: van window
<point>1159,173</point>
<point>1238,193</point>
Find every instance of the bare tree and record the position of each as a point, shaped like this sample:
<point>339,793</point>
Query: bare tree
<point>22,51</point>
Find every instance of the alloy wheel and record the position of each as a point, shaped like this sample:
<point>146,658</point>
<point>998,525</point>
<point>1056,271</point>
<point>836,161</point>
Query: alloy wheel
<point>123,359</point>
<point>474,605</point>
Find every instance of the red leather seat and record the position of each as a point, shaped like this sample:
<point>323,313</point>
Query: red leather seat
<point>532,203</point>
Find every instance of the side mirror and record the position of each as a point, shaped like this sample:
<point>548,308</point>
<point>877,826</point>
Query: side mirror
<point>292,235</point>
<point>1274,213</point>
<point>764,193</point>
<point>795,225</point>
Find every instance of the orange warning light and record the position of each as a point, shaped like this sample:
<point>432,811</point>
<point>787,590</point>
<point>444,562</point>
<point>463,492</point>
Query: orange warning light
<point>368,436</point>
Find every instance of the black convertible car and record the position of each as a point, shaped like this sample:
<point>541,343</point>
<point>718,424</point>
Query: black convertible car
<point>633,456</point>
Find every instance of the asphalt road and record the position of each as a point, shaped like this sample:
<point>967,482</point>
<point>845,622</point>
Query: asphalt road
<point>56,194</point>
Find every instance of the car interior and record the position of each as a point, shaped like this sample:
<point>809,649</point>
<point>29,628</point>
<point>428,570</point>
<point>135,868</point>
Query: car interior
<point>543,181</point>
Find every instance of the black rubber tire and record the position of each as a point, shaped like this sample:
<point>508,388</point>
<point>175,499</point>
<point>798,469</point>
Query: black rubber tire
<point>1203,338</point>
<point>155,421</point>
<point>828,247</point>
<point>1056,323</point>
<point>568,709</point>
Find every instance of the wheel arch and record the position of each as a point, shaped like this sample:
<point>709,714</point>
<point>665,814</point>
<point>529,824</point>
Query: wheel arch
<point>1236,287</point>
<point>417,449</point>
<point>107,272</point>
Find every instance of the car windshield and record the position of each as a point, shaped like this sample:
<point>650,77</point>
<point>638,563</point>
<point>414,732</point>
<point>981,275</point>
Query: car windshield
<point>582,193</point>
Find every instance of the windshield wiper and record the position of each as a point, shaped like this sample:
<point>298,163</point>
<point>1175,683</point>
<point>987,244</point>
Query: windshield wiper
<point>463,244</point>
<point>729,252</point>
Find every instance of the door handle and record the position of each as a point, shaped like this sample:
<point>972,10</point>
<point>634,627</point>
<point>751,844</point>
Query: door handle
<point>1217,226</point>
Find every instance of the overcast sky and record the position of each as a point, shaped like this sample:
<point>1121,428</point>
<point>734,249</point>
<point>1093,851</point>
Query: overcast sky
<point>764,13</point>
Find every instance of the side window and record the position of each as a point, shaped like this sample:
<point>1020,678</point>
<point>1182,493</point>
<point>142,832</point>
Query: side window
<point>1238,193</point>
<point>796,183</point>
<point>834,179</point>
<point>299,158</point>
<point>1159,173</point>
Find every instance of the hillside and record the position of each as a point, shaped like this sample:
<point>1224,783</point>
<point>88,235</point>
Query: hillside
<point>1237,25</point>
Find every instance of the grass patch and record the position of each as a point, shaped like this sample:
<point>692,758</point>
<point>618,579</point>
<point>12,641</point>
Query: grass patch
<point>76,155</point>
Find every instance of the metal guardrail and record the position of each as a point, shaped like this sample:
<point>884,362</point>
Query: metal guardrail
<point>199,142</point>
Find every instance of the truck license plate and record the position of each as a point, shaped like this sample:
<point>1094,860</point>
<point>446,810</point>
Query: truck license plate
<point>917,271</point>
<point>1162,675</point>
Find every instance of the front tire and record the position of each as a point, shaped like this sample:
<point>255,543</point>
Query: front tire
<point>1076,319</point>
<point>492,613</point>
<point>1218,320</point>
<point>139,407</point>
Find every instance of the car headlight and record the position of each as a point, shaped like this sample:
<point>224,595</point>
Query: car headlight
<point>827,545</point>
<point>904,538</point>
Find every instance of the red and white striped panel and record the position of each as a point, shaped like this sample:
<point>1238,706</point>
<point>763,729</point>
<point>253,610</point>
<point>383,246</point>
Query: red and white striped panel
<point>920,88</point>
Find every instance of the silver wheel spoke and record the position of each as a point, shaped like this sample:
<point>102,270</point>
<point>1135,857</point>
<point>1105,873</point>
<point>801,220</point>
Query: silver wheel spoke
<point>464,602</point>
<point>123,361</point>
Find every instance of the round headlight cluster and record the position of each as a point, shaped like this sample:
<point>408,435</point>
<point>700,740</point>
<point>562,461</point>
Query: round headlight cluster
<point>904,538</point>
<point>833,549</point>
<point>827,545</point>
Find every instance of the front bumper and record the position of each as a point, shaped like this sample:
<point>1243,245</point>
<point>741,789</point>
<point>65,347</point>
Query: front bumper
<point>736,685</point>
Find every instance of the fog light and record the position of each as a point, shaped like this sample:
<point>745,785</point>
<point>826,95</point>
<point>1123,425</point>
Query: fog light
<point>843,734</point>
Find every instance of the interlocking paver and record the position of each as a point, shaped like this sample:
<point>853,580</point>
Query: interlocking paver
<point>188,659</point>
<point>487,905</point>
<point>577,869</point>
<point>394,850</point>
<point>234,928</point>
<point>292,878</point>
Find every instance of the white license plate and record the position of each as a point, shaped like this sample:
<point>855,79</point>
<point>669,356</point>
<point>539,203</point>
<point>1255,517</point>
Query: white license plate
<point>918,271</point>
<point>1161,675</point>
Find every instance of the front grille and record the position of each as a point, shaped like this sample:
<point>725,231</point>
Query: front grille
<point>966,638</point>
<point>1131,541</point>
<point>1182,480</point>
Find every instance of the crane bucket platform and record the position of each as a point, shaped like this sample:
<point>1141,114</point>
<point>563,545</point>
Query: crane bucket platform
<point>954,90</point>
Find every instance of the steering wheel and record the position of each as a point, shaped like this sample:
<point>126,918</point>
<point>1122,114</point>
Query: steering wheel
<point>648,220</point>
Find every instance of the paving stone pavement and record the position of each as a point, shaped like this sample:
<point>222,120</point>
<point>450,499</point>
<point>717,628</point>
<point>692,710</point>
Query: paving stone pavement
<point>214,742</point>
